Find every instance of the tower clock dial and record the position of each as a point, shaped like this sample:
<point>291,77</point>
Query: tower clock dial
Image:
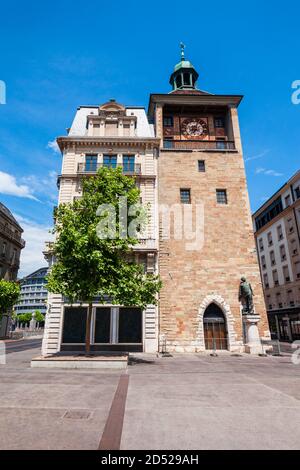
<point>194,128</point>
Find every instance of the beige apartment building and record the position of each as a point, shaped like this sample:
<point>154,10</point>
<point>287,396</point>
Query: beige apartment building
<point>110,135</point>
<point>276,225</point>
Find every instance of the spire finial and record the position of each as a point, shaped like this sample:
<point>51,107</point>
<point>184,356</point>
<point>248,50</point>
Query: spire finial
<point>182,47</point>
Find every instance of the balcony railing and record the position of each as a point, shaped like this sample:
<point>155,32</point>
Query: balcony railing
<point>180,144</point>
<point>12,235</point>
<point>128,169</point>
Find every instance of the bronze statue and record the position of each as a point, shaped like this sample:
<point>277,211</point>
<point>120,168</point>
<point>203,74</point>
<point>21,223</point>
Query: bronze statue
<point>246,297</point>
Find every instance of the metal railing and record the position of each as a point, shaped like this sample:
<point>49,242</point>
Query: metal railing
<point>12,235</point>
<point>181,144</point>
<point>128,169</point>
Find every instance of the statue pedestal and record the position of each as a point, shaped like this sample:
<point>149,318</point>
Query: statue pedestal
<point>253,343</point>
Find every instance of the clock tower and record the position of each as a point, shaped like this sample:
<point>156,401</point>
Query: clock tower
<point>201,173</point>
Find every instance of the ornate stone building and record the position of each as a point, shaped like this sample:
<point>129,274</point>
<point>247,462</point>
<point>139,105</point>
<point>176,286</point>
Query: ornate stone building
<point>11,244</point>
<point>187,160</point>
<point>201,167</point>
<point>110,135</point>
<point>277,233</point>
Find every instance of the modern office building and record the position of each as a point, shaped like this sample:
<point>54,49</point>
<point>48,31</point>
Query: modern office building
<point>186,156</point>
<point>11,244</point>
<point>33,293</point>
<point>276,225</point>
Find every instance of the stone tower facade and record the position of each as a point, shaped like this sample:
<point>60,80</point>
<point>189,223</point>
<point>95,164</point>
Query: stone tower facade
<point>201,172</point>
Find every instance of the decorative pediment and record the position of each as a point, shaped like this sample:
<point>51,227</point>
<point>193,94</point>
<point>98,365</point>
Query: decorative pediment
<point>113,108</point>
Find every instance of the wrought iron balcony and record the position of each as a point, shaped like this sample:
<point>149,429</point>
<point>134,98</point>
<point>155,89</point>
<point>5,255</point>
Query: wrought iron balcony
<point>14,236</point>
<point>182,144</point>
<point>128,169</point>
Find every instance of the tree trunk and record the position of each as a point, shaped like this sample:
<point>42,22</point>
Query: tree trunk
<point>88,330</point>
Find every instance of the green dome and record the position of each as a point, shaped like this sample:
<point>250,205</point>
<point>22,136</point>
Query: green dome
<point>183,64</point>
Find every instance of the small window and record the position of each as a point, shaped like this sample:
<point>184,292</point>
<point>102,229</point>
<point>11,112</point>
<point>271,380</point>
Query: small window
<point>272,258</point>
<point>275,277</point>
<point>270,239</point>
<point>282,252</point>
<point>168,121</point>
<point>219,122</point>
<point>221,144</point>
<point>261,244</point>
<point>291,225</point>
<point>287,200</point>
<point>168,144</point>
<point>286,273</point>
<point>266,281</point>
<point>201,166</point>
<point>222,196</point>
<point>110,161</point>
<point>279,232</point>
<point>185,196</point>
<point>128,163</point>
<point>91,162</point>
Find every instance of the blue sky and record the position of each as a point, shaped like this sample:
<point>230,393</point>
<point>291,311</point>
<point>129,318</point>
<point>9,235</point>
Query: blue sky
<point>58,55</point>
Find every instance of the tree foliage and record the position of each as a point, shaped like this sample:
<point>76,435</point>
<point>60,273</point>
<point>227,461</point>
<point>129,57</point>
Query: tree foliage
<point>88,266</point>
<point>9,294</point>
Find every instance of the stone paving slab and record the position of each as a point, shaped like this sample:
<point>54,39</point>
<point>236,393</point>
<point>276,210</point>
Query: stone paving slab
<point>183,402</point>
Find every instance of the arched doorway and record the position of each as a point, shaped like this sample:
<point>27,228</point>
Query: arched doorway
<point>215,328</point>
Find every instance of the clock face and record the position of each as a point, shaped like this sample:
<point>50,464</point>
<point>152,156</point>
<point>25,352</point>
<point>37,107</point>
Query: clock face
<point>194,128</point>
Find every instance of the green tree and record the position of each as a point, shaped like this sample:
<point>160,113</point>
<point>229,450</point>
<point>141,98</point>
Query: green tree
<point>89,266</point>
<point>39,317</point>
<point>24,318</point>
<point>9,294</point>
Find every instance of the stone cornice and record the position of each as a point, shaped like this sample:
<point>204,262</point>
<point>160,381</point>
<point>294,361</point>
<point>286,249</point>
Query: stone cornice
<point>194,99</point>
<point>69,141</point>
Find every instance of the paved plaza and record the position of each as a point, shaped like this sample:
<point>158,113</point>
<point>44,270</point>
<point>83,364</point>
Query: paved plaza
<point>181,402</point>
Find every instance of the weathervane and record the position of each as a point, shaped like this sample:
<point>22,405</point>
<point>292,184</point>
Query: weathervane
<point>182,47</point>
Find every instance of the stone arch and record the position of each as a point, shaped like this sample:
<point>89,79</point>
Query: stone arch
<point>233,344</point>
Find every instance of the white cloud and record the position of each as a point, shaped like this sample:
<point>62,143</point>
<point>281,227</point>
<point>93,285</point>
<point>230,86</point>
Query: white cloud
<point>266,172</point>
<point>36,235</point>
<point>53,146</point>
<point>256,157</point>
<point>9,185</point>
<point>43,185</point>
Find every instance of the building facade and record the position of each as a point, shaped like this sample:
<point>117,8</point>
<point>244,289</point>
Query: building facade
<point>11,245</point>
<point>33,294</point>
<point>110,135</point>
<point>186,156</point>
<point>201,168</point>
<point>276,225</point>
